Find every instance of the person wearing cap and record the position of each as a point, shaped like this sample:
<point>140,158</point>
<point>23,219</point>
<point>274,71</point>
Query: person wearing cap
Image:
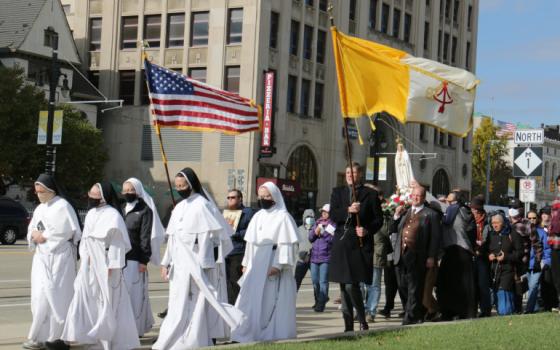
<point>321,237</point>
<point>101,314</point>
<point>482,264</point>
<point>53,233</point>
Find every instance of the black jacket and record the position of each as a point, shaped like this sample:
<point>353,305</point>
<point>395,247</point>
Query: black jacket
<point>139,225</point>
<point>510,243</point>
<point>427,239</point>
<point>350,263</point>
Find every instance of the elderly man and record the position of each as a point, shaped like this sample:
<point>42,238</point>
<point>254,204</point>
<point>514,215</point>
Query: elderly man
<point>418,234</point>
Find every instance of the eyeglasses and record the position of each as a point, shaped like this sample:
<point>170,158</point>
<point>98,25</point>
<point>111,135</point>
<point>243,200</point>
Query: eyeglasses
<point>232,197</point>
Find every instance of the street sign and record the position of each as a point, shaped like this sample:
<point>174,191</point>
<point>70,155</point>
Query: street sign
<point>528,136</point>
<point>527,189</point>
<point>527,161</point>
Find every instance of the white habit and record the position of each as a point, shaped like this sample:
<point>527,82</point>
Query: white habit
<point>54,267</point>
<point>101,312</point>
<point>197,310</point>
<point>403,171</point>
<point>269,303</point>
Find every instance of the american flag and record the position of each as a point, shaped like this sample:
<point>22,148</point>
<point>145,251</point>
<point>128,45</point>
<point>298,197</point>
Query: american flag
<point>505,129</point>
<point>183,103</point>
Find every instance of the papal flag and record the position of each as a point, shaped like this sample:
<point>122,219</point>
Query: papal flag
<point>374,78</point>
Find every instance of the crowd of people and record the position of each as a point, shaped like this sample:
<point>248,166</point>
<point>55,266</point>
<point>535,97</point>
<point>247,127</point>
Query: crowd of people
<point>236,276</point>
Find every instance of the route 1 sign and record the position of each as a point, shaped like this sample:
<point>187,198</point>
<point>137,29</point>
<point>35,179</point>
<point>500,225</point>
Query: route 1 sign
<point>527,189</point>
<point>527,161</point>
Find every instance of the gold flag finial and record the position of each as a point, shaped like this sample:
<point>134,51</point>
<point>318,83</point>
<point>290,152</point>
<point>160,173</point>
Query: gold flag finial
<point>330,10</point>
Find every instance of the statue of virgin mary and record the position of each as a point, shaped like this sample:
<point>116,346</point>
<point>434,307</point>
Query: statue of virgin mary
<point>403,170</point>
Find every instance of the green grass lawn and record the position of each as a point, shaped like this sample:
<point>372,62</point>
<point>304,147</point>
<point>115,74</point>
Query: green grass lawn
<point>537,331</point>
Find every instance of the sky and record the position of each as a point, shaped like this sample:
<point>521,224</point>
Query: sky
<point>518,61</point>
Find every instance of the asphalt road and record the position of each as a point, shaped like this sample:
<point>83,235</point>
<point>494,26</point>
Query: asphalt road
<point>15,314</point>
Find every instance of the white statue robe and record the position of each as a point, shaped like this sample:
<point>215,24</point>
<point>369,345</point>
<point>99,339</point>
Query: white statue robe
<point>197,309</point>
<point>101,313</point>
<point>403,172</point>
<point>269,303</point>
<point>54,268</point>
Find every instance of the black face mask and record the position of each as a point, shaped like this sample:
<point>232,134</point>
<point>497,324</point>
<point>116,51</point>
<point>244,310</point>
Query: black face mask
<point>185,193</point>
<point>93,202</point>
<point>266,203</point>
<point>130,197</point>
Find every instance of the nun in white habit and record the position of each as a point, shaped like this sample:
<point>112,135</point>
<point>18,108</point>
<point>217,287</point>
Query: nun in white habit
<point>268,288</point>
<point>146,234</point>
<point>101,313</point>
<point>193,263</point>
<point>53,234</point>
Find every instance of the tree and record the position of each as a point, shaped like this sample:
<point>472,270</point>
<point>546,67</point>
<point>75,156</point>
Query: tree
<point>499,170</point>
<point>80,158</point>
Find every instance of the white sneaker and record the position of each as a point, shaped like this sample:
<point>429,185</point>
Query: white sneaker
<point>33,345</point>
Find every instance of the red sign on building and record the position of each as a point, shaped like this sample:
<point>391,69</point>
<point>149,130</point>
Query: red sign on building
<point>266,137</point>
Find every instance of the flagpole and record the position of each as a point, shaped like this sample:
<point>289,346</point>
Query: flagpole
<point>348,150</point>
<point>158,132</point>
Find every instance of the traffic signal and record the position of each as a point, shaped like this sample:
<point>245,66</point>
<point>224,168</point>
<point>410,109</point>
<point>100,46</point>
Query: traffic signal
<point>491,186</point>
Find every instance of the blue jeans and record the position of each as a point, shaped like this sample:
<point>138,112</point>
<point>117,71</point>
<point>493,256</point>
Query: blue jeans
<point>319,277</point>
<point>374,292</point>
<point>533,294</point>
<point>504,302</point>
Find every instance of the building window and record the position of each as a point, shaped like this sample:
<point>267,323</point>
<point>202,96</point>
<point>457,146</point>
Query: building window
<point>454,49</point>
<point>235,26</point>
<point>352,11</point>
<point>385,18</point>
<point>455,11</point>
<point>439,45</point>
<point>468,56</point>
<point>447,9</point>
<point>307,42</point>
<point>144,93</point>
<point>323,5</point>
<point>321,45</point>
<point>426,35</point>
<point>129,32</point>
<point>427,3</point>
<point>199,29</point>
<point>231,81</point>
<point>450,141</point>
<point>152,30</point>
<point>441,139</point>
<point>175,30</point>
<point>436,136</point>
<point>445,46</point>
<point>95,34</point>
<point>305,97</point>
<point>274,23</point>
<point>318,102</point>
<point>469,18</point>
<point>372,13</point>
<point>407,26</point>
<point>396,22</point>
<point>198,74</point>
<point>291,95</point>
<point>126,86</point>
<point>422,132</point>
<point>294,38</point>
<point>309,3</point>
<point>466,144</point>
<point>93,77</point>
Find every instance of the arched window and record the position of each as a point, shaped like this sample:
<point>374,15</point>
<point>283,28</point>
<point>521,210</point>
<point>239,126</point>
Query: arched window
<point>440,183</point>
<point>303,168</point>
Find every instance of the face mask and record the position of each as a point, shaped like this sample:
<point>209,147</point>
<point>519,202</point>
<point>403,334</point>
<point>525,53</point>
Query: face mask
<point>130,197</point>
<point>266,203</point>
<point>93,202</point>
<point>309,221</point>
<point>45,197</point>
<point>185,193</point>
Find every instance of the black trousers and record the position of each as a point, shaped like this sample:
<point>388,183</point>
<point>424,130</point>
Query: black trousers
<point>351,296</point>
<point>555,269</point>
<point>411,275</point>
<point>392,287</point>
<point>301,271</point>
<point>233,274</point>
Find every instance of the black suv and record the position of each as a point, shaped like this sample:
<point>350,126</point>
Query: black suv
<point>14,219</point>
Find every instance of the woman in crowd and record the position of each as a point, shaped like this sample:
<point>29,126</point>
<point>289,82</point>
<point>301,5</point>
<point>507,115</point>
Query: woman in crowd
<point>101,313</point>
<point>193,264</point>
<point>503,250</point>
<point>146,234</point>
<point>53,234</point>
<point>268,289</point>
<point>539,260</point>
<point>321,236</point>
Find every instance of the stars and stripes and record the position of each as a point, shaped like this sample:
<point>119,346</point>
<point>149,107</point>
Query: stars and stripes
<point>184,103</point>
<point>505,129</point>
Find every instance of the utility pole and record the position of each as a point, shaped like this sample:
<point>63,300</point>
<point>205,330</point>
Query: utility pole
<point>487,196</point>
<point>51,38</point>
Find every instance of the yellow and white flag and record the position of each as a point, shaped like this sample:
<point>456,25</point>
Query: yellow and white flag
<point>374,78</point>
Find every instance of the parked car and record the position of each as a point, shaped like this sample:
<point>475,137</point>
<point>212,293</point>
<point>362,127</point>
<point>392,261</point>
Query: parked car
<point>14,220</point>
